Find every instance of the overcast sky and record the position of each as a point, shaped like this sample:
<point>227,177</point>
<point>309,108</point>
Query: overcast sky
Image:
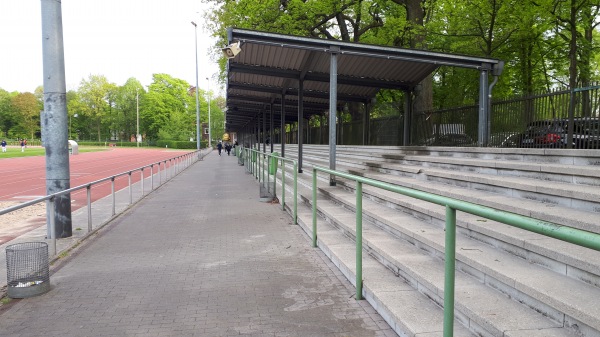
<point>115,38</point>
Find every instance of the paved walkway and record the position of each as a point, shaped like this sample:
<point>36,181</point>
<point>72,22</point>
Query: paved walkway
<point>201,256</point>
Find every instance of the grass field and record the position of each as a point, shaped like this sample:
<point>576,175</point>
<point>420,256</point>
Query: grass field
<point>15,152</point>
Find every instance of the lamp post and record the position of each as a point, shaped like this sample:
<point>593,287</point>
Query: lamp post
<point>74,115</point>
<point>197,104</point>
<point>209,126</point>
<point>137,120</point>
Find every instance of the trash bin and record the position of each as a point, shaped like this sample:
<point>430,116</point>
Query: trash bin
<point>273,162</point>
<point>240,156</point>
<point>27,268</point>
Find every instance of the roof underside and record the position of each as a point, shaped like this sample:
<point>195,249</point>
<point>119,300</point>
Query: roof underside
<point>269,68</point>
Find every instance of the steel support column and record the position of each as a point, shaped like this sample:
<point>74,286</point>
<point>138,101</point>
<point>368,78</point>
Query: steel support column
<point>272,125</point>
<point>54,119</point>
<point>282,131</point>
<point>264,130</point>
<point>332,110</point>
<point>300,122</point>
<point>484,114</point>
<point>408,116</point>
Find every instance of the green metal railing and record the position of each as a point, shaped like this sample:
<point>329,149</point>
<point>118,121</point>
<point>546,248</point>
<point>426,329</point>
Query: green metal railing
<point>564,233</point>
<point>257,159</point>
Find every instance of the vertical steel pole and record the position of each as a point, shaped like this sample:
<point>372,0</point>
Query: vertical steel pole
<point>112,191</point>
<point>300,122</point>
<point>484,114</point>
<point>54,117</point>
<point>314,208</point>
<point>89,206</point>
<point>137,121</point>
<point>159,175</point>
<point>358,240</point>
<point>332,110</point>
<point>151,177</point>
<point>449,277</point>
<point>142,180</point>
<point>295,192</point>
<point>52,226</point>
<point>130,189</point>
<point>197,101</point>
<point>282,130</point>
<point>282,184</point>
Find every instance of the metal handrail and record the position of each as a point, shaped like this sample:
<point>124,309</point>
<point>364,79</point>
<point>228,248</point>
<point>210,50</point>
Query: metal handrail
<point>183,160</point>
<point>248,152</point>
<point>572,235</point>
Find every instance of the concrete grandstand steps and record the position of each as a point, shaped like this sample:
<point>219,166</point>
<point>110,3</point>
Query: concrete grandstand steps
<point>535,170</point>
<point>582,263</point>
<point>540,274</point>
<point>483,309</point>
<point>486,263</point>
<point>527,206</point>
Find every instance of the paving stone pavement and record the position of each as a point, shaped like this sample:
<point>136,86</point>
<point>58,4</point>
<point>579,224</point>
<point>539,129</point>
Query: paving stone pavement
<point>201,256</point>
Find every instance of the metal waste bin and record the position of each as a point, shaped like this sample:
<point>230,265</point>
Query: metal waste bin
<point>27,267</point>
<point>273,163</point>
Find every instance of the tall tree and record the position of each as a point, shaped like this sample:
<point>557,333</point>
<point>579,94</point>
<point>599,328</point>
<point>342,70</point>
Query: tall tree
<point>125,108</point>
<point>94,92</point>
<point>169,106</point>
<point>7,116</point>
<point>27,109</point>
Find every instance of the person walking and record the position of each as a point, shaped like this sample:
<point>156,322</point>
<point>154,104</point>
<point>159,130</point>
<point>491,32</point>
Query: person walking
<point>220,147</point>
<point>22,145</point>
<point>3,145</point>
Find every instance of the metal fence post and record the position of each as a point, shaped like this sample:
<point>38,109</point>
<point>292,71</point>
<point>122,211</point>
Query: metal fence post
<point>449,278</point>
<point>142,180</point>
<point>151,177</point>
<point>358,240</point>
<point>52,224</point>
<point>282,184</point>
<point>314,208</point>
<point>89,206</point>
<point>112,190</point>
<point>130,189</point>
<point>295,192</point>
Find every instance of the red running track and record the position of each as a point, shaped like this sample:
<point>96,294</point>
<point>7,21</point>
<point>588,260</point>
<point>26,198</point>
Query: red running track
<point>24,178</point>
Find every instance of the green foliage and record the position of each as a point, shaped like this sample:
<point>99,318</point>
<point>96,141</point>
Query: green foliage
<point>27,113</point>
<point>170,107</point>
<point>95,94</point>
<point>7,115</point>
<point>175,144</point>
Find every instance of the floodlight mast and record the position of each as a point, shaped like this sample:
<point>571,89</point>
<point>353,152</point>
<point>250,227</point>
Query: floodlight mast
<point>197,102</point>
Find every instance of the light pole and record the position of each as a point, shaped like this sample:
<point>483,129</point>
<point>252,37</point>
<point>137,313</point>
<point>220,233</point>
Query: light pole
<point>197,104</point>
<point>137,120</point>
<point>209,126</point>
<point>74,115</point>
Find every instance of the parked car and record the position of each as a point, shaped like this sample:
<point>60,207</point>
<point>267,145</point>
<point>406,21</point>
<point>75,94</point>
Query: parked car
<point>586,133</point>
<point>553,133</point>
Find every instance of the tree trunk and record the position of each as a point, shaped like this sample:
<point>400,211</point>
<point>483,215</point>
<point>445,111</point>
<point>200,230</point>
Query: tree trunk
<point>415,15</point>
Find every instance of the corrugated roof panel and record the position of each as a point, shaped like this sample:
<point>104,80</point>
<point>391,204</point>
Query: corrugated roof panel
<point>270,64</point>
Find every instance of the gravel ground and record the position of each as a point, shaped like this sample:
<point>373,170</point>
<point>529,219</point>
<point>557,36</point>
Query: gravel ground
<point>18,222</point>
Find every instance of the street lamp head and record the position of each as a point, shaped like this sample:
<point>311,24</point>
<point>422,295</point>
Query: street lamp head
<point>193,23</point>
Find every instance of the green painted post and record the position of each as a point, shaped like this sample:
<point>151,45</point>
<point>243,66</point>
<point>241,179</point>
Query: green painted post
<point>358,240</point>
<point>314,207</point>
<point>282,184</point>
<point>449,277</point>
<point>295,192</point>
